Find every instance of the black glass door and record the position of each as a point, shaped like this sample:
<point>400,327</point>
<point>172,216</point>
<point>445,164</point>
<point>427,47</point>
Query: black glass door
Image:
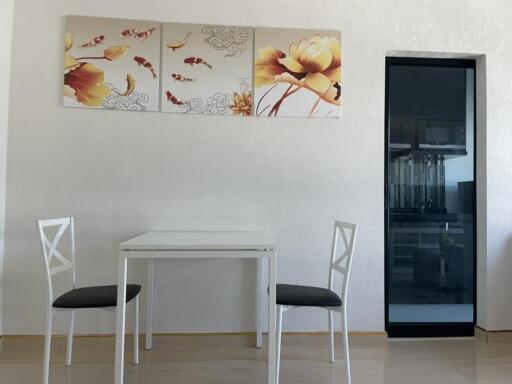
<point>430,197</point>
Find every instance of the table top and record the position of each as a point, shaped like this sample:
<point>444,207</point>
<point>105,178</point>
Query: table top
<point>199,241</point>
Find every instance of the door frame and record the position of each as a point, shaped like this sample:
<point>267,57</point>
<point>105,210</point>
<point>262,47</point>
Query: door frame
<point>404,330</point>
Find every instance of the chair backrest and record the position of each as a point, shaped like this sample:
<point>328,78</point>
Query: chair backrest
<point>51,252</point>
<point>341,260</point>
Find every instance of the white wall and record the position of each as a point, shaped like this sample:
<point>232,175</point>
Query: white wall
<point>124,173</point>
<point>6,8</point>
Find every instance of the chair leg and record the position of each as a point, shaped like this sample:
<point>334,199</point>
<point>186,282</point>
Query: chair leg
<point>47,346</point>
<point>136,331</point>
<point>69,350</point>
<point>279,327</point>
<point>331,333</point>
<point>345,344</point>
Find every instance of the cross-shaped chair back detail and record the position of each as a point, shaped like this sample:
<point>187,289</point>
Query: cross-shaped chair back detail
<point>51,252</point>
<point>341,260</point>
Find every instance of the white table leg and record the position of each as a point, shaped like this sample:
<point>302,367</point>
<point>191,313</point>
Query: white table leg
<point>272,319</point>
<point>120,318</point>
<point>259,304</point>
<point>150,291</point>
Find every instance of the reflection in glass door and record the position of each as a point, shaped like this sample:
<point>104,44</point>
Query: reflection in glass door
<point>430,197</point>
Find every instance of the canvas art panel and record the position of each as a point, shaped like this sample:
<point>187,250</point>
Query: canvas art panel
<point>297,73</point>
<point>111,64</point>
<point>207,69</point>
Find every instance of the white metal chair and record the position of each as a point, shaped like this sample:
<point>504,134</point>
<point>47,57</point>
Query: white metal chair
<point>290,296</point>
<point>103,297</point>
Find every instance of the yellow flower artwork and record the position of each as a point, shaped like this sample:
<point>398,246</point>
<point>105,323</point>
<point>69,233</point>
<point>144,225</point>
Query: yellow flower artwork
<point>297,73</point>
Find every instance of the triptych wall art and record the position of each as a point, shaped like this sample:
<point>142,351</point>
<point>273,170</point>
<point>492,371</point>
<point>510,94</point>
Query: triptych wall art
<point>201,69</point>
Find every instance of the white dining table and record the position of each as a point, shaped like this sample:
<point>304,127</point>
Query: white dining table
<point>152,246</point>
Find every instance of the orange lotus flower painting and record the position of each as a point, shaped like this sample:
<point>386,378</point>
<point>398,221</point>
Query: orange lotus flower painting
<point>99,66</point>
<point>297,73</point>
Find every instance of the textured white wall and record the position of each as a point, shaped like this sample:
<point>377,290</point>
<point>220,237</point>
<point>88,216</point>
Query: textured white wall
<point>6,8</point>
<point>124,173</point>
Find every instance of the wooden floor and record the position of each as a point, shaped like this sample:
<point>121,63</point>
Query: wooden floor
<point>232,359</point>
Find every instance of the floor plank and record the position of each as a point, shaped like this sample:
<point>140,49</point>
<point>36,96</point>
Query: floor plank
<point>230,359</point>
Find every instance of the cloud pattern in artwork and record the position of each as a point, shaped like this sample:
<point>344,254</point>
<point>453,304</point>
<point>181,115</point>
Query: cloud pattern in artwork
<point>230,38</point>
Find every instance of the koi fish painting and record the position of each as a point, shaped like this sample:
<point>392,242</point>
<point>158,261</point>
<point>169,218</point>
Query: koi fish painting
<point>144,34</point>
<point>210,68</point>
<point>174,45</point>
<point>108,72</point>
<point>173,99</point>
<point>93,42</point>
<point>130,86</point>
<point>146,64</point>
<point>128,32</point>
<point>178,77</point>
<point>139,35</point>
<point>196,60</point>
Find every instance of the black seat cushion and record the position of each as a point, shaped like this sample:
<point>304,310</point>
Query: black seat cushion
<point>303,295</point>
<point>95,297</point>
